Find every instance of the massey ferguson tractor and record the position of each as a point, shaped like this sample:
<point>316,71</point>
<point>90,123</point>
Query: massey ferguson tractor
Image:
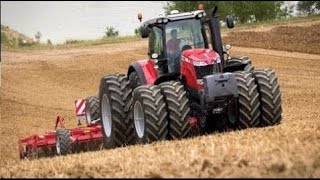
<point>189,85</point>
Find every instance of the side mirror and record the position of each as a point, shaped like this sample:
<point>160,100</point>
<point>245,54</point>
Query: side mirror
<point>144,31</point>
<point>214,11</point>
<point>229,21</point>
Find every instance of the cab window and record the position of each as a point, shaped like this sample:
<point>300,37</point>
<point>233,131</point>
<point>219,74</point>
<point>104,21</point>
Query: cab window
<point>156,42</point>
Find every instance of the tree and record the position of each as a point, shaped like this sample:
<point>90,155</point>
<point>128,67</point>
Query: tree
<point>38,36</point>
<point>49,42</point>
<point>243,11</point>
<point>137,31</point>
<point>182,6</point>
<point>308,7</point>
<point>268,10</point>
<point>111,32</point>
<point>185,6</point>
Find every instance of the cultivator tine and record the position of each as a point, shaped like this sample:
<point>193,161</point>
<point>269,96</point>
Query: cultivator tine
<point>34,154</point>
<point>98,145</point>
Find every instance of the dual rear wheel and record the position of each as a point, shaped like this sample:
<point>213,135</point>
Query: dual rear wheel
<point>160,112</point>
<point>115,101</point>
<point>147,114</point>
<point>259,100</point>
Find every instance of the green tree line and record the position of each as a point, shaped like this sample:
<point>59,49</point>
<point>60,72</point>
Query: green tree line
<point>309,7</point>
<point>246,11</point>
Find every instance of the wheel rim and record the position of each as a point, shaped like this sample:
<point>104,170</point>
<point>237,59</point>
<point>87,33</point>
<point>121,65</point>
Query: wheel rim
<point>106,115</point>
<point>88,117</point>
<point>58,146</point>
<point>139,119</point>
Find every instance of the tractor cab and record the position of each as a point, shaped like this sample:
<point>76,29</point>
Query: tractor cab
<point>170,35</point>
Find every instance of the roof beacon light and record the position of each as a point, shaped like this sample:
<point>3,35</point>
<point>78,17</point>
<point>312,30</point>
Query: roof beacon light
<point>140,16</point>
<point>200,6</point>
<point>174,12</point>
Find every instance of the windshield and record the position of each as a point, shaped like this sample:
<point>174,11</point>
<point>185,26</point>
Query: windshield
<point>184,34</point>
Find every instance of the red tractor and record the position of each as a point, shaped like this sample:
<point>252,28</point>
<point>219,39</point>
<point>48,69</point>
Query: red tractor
<point>186,87</point>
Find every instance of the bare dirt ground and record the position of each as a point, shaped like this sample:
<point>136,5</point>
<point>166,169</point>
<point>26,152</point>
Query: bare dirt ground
<point>267,27</point>
<point>300,38</point>
<point>38,85</point>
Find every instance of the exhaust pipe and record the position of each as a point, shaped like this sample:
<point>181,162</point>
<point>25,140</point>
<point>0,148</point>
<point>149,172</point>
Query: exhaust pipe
<point>216,40</point>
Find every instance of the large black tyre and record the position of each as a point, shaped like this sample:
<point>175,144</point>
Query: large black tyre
<point>178,109</point>
<point>115,101</point>
<point>63,142</point>
<point>134,80</point>
<point>248,101</point>
<point>270,96</point>
<point>93,111</point>
<point>240,60</point>
<point>149,114</point>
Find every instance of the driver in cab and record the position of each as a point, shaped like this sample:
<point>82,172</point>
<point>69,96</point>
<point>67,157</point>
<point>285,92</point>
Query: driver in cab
<point>173,43</point>
<point>173,51</point>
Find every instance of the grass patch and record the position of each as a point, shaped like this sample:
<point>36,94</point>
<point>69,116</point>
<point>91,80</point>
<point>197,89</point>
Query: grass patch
<point>73,44</point>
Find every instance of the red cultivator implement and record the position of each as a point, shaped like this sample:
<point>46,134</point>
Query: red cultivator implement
<point>62,141</point>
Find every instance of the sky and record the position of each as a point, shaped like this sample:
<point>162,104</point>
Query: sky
<point>59,21</point>
<point>64,20</point>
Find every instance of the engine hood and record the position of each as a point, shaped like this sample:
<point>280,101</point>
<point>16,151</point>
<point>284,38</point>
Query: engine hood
<point>200,57</point>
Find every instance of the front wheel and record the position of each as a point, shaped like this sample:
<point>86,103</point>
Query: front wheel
<point>178,109</point>
<point>235,61</point>
<point>134,80</point>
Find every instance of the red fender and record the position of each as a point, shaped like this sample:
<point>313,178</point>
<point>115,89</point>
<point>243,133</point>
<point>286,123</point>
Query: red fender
<point>145,70</point>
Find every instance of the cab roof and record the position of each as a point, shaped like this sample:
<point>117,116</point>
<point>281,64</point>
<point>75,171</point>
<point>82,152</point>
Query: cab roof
<point>175,17</point>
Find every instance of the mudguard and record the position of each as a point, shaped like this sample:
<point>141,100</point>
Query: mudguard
<point>145,70</point>
<point>167,77</point>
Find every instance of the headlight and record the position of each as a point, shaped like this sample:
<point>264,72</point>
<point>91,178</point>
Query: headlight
<point>228,47</point>
<point>200,81</point>
<point>165,20</point>
<point>218,60</point>
<point>200,15</point>
<point>159,21</point>
<point>155,61</point>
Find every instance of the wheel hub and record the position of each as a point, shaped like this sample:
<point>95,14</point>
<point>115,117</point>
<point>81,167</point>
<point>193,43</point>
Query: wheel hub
<point>88,117</point>
<point>139,121</point>
<point>106,115</point>
<point>58,146</point>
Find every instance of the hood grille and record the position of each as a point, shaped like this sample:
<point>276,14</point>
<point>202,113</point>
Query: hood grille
<point>202,71</point>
